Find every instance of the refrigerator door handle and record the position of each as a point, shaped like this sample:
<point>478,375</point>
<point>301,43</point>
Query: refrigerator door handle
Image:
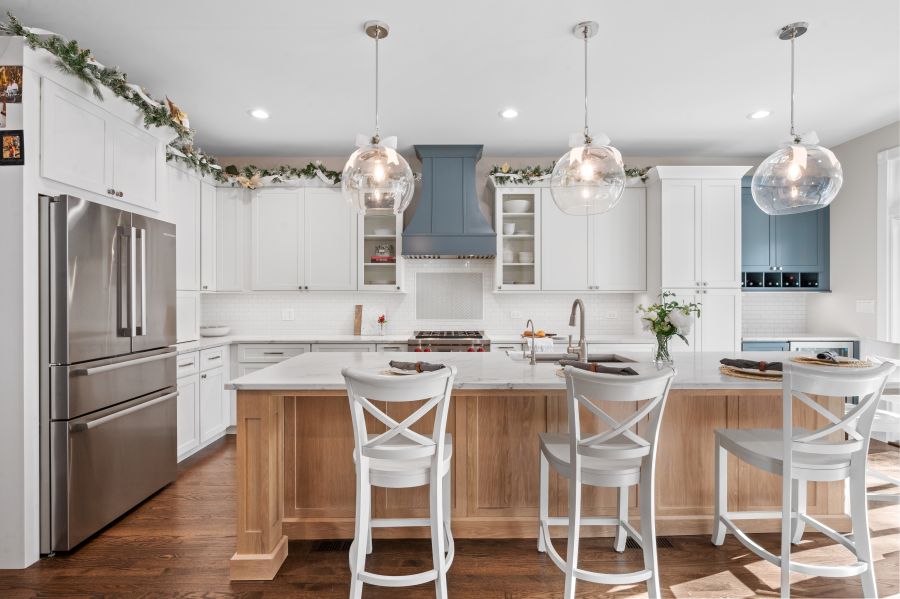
<point>89,424</point>
<point>132,284</point>
<point>142,234</point>
<point>118,365</point>
<point>124,278</point>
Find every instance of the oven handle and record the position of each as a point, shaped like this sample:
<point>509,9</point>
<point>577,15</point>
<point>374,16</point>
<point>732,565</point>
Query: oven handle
<point>76,427</point>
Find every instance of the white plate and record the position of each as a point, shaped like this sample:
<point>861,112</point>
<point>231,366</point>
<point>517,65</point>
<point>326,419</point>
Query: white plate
<point>771,373</point>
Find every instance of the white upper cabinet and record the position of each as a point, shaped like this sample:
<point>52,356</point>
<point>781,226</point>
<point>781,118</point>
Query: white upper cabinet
<point>231,238</point>
<point>87,147</point>
<point>619,244</point>
<point>330,240</point>
<point>720,234</point>
<point>518,262</point>
<point>680,212</point>
<point>278,216</point>
<point>74,136</point>
<point>184,195</point>
<point>700,232</point>
<point>208,223</point>
<point>564,248</point>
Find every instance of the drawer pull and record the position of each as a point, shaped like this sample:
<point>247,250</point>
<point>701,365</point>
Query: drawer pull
<point>84,426</point>
<point>186,364</point>
<point>273,353</point>
<point>211,358</point>
<point>118,365</point>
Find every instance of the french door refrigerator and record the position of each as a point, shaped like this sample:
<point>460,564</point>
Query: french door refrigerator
<point>108,390</point>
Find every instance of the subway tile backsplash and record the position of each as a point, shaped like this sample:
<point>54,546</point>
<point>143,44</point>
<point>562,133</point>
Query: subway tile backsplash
<point>774,314</point>
<point>332,312</point>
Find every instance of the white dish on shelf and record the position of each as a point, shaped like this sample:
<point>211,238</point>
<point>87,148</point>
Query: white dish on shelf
<point>379,282</point>
<point>509,228</point>
<point>515,206</point>
<point>526,257</point>
<point>383,232</point>
<point>214,331</point>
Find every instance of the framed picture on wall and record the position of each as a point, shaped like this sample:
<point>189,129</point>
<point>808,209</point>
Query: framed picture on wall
<point>12,147</point>
<point>11,83</point>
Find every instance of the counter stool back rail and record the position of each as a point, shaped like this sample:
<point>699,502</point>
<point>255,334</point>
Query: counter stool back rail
<point>799,456</point>
<point>616,457</point>
<point>401,458</point>
<point>887,416</point>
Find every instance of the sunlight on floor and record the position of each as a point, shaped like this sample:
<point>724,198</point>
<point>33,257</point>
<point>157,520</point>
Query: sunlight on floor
<point>721,584</point>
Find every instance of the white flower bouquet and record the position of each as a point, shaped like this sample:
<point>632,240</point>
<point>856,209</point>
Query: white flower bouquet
<point>666,319</point>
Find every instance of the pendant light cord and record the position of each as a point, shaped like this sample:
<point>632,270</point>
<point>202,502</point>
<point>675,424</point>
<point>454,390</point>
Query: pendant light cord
<point>587,135</point>
<point>793,132</point>
<point>377,137</point>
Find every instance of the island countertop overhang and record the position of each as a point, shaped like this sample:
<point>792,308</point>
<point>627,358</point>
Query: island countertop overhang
<point>492,371</point>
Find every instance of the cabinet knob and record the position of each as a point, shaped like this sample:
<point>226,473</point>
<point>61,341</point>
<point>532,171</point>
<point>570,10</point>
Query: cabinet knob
<point>202,376</point>
<point>306,286</point>
<point>300,287</point>
<point>119,194</point>
<point>205,287</point>
<point>499,287</point>
<point>780,268</point>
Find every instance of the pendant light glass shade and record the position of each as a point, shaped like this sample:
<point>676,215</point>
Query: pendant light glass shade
<point>802,175</point>
<point>377,178</point>
<point>797,178</point>
<point>588,180</point>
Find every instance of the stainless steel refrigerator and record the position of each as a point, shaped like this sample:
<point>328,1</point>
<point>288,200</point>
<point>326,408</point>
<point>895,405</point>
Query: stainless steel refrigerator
<point>108,389</point>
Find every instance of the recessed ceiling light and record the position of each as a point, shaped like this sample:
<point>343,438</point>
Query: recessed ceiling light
<point>509,113</point>
<point>759,114</point>
<point>259,113</point>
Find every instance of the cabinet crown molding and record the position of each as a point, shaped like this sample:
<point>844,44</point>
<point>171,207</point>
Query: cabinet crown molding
<point>697,172</point>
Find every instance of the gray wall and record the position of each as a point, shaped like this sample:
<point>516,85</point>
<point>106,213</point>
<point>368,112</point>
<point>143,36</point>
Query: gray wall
<point>853,215</point>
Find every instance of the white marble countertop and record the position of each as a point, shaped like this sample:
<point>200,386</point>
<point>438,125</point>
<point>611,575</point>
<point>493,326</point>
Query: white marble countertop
<point>208,342</point>
<point>802,337</point>
<point>322,371</point>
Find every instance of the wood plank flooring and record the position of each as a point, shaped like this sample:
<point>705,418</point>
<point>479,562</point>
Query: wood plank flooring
<point>178,543</point>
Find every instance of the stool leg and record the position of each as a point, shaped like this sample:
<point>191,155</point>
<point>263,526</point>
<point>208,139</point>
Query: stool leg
<point>574,531</point>
<point>786,524</point>
<point>438,547</point>
<point>448,507</point>
<point>363,515</point>
<point>648,531</point>
<point>622,511</point>
<point>544,498</point>
<point>799,507</point>
<point>721,491</point>
<point>859,515</point>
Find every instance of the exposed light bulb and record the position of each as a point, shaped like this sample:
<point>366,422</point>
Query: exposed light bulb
<point>794,172</point>
<point>378,173</point>
<point>794,192</point>
<point>587,171</point>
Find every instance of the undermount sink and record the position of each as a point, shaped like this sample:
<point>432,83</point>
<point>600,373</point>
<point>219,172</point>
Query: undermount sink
<point>548,357</point>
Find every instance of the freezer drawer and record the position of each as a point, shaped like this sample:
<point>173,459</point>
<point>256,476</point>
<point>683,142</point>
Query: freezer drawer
<point>84,388</point>
<point>114,459</point>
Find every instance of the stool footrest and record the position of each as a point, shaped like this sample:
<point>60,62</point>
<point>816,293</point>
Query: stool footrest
<point>399,522</point>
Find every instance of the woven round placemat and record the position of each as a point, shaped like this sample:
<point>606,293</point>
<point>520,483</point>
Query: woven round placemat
<point>740,374</point>
<point>849,363</point>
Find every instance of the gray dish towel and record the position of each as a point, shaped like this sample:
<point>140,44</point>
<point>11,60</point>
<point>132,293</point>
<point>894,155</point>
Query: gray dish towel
<point>594,367</point>
<point>416,366</point>
<point>761,365</point>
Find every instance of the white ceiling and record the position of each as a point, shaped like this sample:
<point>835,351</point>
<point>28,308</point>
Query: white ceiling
<point>668,77</point>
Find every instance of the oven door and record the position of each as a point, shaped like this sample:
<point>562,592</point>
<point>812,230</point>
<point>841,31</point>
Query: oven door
<point>106,463</point>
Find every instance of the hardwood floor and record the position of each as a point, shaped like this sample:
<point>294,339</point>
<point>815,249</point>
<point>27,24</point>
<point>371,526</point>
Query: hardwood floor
<point>178,543</point>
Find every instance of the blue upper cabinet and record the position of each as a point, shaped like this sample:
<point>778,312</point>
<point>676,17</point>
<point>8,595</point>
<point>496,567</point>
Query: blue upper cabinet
<point>788,252</point>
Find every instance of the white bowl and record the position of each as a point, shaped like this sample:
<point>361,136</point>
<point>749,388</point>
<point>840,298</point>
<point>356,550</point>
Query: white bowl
<point>516,206</point>
<point>383,232</point>
<point>214,331</point>
<point>526,257</point>
<point>509,228</point>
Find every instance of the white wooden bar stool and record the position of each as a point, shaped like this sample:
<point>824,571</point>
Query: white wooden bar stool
<point>614,457</point>
<point>799,455</point>
<point>887,415</point>
<point>401,458</point>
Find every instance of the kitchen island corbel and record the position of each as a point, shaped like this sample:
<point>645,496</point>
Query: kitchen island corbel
<point>296,477</point>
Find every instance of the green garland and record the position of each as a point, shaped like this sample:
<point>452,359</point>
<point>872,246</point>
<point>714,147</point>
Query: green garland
<point>282,173</point>
<point>528,175</point>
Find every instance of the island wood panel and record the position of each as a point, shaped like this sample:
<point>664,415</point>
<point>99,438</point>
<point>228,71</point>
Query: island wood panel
<point>760,490</point>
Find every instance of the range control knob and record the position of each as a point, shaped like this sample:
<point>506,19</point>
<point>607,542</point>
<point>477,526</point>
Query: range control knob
<point>480,350</point>
<point>427,349</point>
<point>471,348</point>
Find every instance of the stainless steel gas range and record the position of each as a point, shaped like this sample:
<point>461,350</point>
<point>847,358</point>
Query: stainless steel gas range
<point>444,341</point>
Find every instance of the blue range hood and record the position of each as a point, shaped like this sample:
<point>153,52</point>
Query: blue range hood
<point>448,222</point>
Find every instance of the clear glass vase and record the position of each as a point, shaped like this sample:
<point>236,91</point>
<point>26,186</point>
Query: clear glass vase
<point>661,355</point>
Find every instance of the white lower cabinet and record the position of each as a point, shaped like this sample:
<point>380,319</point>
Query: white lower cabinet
<point>203,403</point>
<point>719,327</point>
<point>188,418</point>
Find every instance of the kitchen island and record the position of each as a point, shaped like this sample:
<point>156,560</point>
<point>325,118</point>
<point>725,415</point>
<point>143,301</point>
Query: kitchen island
<point>296,476</point>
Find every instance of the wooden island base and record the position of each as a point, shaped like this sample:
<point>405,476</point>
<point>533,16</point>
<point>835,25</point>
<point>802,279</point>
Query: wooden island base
<point>296,476</point>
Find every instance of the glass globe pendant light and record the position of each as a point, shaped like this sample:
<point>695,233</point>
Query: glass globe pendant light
<point>376,176</point>
<point>801,175</point>
<point>589,178</point>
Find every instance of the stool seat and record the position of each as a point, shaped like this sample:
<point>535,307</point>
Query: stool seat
<point>764,448</point>
<point>595,471</point>
<point>400,473</point>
